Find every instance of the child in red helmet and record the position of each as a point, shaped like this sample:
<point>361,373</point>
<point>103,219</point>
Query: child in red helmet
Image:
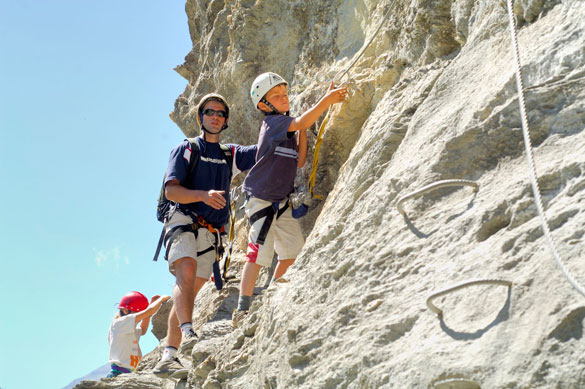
<point>125,331</point>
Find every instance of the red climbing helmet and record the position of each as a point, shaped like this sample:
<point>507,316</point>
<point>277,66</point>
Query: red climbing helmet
<point>134,301</point>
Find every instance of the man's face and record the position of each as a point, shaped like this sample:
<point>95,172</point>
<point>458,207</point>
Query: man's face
<point>212,120</point>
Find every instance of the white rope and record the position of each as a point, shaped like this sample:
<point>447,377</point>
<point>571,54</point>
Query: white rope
<point>462,285</point>
<point>339,75</point>
<point>529,155</point>
<point>431,187</point>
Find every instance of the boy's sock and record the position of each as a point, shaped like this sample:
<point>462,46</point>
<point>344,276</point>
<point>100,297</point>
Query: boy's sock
<point>169,353</point>
<point>186,327</point>
<point>244,303</point>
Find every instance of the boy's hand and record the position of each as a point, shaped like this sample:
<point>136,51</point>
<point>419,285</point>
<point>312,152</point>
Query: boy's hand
<point>334,96</point>
<point>215,199</point>
<point>154,298</point>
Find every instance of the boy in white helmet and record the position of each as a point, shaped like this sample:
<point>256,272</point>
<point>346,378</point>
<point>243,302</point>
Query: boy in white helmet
<point>282,147</point>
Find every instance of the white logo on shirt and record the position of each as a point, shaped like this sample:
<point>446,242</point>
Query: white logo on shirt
<point>213,160</point>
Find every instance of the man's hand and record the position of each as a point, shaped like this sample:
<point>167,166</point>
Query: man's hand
<point>215,199</point>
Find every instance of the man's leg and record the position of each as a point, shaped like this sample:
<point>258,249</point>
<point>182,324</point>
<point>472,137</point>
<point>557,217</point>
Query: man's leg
<point>184,289</point>
<point>169,364</point>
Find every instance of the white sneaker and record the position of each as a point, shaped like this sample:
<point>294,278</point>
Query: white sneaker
<point>188,342</point>
<point>170,367</point>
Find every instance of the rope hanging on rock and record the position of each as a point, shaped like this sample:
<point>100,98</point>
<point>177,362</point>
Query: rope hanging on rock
<point>529,155</point>
<point>313,174</point>
<point>434,186</point>
<point>337,78</point>
<point>462,285</point>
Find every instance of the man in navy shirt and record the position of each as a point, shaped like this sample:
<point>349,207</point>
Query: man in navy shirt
<point>201,197</point>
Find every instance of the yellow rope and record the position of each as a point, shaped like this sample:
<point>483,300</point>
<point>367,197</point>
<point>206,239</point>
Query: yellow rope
<point>231,235</point>
<point>316,156</point>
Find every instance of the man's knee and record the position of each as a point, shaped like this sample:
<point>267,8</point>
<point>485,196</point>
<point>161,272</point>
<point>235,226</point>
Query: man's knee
<point>185,270</point>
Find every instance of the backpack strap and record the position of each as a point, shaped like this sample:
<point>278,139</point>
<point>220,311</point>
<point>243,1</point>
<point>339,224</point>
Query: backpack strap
<point>194,158</point>
<point>229,157</point>
<point>193,162</point>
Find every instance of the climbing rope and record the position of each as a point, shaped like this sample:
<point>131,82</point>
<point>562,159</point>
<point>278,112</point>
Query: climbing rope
<point>313,174</point>
<point>529,155</point>
<point>452,383</point>
<point>462,285</point>
<point>434,186</point>
<point>338,76</point>
<point>232,232</point>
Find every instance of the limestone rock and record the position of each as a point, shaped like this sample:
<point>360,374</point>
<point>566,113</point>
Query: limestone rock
<point>432,98</point>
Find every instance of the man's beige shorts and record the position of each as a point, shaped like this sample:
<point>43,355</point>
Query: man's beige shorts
<point>186,246</point>
<point>285,235</point>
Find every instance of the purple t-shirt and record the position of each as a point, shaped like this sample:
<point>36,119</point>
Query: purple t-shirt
<point>272,177</point>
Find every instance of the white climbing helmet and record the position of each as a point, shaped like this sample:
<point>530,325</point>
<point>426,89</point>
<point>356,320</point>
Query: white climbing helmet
<point>262,84</point>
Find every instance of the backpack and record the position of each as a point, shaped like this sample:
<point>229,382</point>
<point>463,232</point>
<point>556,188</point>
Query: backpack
<point>164,205</point>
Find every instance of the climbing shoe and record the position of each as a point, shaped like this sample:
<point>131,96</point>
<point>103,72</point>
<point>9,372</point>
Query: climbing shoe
<point>237,317</point>
<point>170,368</point>
<point>188,342</point>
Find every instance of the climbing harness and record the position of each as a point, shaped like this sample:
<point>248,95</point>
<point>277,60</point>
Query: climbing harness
<point>462,285</point>
<point>268,213</point>
<point>529,154</point>
<point>193,228</point>
<point>313,173</point>
<point>338,76</point>
<point>165,207</point>
<point>434,186</point>
<point>231,234</point>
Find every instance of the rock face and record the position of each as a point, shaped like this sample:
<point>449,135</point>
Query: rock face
<point>432,98</point>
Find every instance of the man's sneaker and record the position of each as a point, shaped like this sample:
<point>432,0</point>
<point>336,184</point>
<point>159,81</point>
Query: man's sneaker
<point>172,366</point>
<point>237,317</point>
<point>188,342</point>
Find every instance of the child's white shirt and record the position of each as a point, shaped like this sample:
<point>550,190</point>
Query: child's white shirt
<point>123,338</point>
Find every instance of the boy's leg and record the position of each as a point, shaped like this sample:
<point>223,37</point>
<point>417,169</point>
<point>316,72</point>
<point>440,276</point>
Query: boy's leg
<point>282,266</point>
<point>288,241</point>
<point>249,277</point>
<point>257,255</point>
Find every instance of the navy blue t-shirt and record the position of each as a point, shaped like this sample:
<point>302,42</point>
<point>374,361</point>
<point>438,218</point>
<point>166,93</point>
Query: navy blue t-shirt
<point>212,172</point>
<point>272,177</point>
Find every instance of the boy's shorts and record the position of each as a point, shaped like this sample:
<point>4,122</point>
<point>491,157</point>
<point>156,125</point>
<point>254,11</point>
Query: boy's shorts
<point>284,236</point>
<point>184,245</point>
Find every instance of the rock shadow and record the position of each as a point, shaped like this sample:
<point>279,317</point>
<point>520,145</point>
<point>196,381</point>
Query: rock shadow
<point>415,230</point>
<point>503,315</point>
<point>423,235</point>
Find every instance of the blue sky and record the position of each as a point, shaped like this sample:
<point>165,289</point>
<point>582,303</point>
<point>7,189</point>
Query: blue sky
<point>85,92</point>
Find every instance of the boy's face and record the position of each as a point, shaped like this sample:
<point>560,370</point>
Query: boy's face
<point>278,97</point>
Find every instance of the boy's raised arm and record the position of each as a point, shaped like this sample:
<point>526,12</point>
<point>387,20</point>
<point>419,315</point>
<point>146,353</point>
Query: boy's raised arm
<point>307,119</point>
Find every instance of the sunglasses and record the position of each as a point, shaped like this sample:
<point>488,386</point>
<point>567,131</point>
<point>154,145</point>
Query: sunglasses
<point>211,112</point>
